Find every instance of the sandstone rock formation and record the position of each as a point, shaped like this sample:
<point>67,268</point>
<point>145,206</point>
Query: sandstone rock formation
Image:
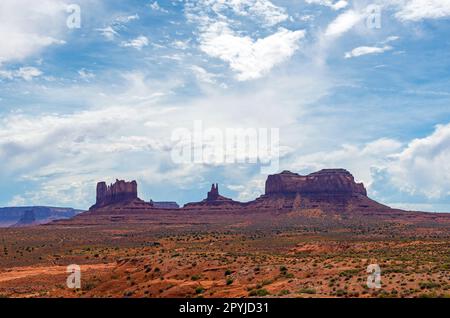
<point>121,194</point>
<point>214,200</point>
<point>327,182</point>
<point>328,190</point>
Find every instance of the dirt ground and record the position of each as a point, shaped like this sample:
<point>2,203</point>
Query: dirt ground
<point>148,261</point>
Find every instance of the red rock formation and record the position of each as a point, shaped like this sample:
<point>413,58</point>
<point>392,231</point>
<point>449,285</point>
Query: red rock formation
<point>120,193</point>
<point>332,190</point>
<point>330,182</point>
<point>214,199</point>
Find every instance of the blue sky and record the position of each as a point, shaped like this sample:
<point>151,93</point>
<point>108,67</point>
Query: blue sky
<point>362,85</point>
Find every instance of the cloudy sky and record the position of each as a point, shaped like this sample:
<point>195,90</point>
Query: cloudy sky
<point>362,85</point>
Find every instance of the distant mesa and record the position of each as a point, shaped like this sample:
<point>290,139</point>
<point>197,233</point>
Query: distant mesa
<point>169,205</point>
<point>9,216</point>
<point>333,190</point>
<point>28,219</point>
<point>327,182</point>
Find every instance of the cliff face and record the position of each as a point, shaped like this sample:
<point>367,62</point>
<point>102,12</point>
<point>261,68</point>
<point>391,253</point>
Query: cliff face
<point>119,193</point>
<point>328,182</point>
<point>330,190</point>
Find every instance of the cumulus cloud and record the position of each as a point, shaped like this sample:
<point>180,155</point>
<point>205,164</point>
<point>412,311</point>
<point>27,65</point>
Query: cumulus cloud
<point>250,58</point>
<point>422,167</point>
<point>27,27</point>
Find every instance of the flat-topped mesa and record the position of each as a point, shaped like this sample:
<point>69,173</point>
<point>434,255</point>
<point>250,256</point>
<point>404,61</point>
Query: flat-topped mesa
<point>121,192</point>
<point>329,182</point>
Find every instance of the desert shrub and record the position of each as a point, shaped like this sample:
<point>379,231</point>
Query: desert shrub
<point>199,290</point>
<point>428,285</point>
<point>258,293</point>
<point>310,291</point>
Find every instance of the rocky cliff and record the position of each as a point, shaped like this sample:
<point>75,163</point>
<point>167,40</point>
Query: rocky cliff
<point>120,193</point>
<point>329,182</point>
<point>328,190</point>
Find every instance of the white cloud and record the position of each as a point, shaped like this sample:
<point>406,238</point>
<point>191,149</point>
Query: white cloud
<point>343,23</point>
<point>111,31</point>
<point>416,10</point>
<point>335,5</point>
<point>365,50</point>
<point>126,19</point>
<point>27,73</point>
<point>137,43</point>
<point>251,59</point>
<point>422,167</point>
<point>108,32</point>
<point>156,7</point>
<point>249,56</point>
<point>261,11</point>
<point>27,27</point>
<point>203,75</point>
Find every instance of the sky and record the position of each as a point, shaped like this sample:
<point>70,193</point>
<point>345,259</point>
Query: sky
<point>94,90</point>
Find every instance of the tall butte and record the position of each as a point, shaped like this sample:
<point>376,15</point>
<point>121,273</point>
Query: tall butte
<point>119,196</point>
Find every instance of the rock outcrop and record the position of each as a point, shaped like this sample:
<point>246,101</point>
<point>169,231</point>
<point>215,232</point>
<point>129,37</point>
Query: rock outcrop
<point>327,182</point>
<point>332,190</point>
<point>214,201</point>
<point>121,194</point>
<point>328,190</point>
